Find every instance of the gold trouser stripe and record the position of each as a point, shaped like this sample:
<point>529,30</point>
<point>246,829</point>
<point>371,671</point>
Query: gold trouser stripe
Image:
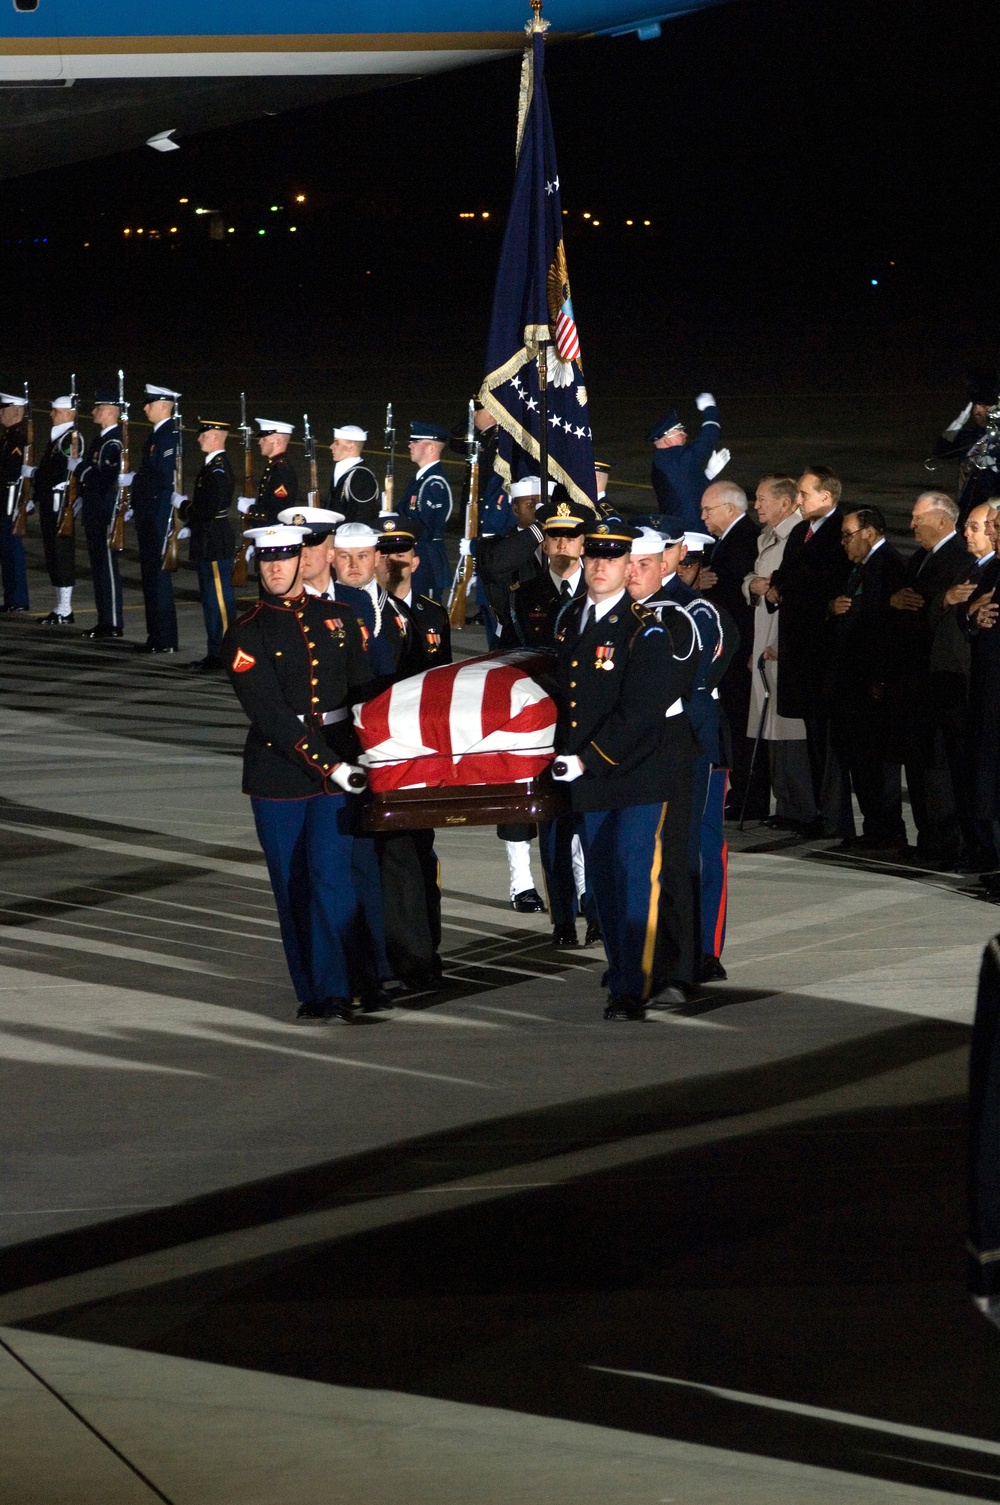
<point>219,596</point>
<point>652,919</point>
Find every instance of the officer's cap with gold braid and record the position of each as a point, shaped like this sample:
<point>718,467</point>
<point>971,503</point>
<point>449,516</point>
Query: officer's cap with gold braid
<point>608,539</point>
<point>317,523</point>
<point>564,519</point>
<point>279,541</point>
<point>398,534</point>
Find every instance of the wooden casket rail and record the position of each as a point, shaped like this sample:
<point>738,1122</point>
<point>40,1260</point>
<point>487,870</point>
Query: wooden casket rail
<point>465,805</point>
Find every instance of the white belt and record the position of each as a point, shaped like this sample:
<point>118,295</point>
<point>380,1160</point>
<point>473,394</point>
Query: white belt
<point>329,717</point>
<point>715,694</point>
<point>676,709</point>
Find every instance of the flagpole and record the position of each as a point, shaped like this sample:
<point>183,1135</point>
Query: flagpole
<point>543,347</point>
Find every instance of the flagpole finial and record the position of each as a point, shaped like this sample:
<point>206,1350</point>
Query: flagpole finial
<point>536,24</point>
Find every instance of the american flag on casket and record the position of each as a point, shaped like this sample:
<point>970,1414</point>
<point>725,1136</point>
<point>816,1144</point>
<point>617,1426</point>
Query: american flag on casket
<point>484,721</point>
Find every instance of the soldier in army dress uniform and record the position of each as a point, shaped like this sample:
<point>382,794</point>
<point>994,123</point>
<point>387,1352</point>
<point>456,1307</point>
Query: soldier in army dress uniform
<point>213,540</point>
<point>98,481</point>
<point>50,488</point>
<point>623,671</point>
<point>354,491</point>
<point>298,664</point>
<point>152,494</point>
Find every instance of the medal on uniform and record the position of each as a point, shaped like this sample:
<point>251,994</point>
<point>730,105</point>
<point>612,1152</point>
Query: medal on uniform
<point>605,653</point>
<point>335,625</point>
<point>434,639</point>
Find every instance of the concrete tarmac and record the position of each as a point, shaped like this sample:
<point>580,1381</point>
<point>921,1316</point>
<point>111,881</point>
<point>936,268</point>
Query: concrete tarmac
<point>483,1247</point>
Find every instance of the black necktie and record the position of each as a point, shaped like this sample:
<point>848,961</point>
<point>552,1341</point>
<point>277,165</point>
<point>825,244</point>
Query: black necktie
<point>564,591</point>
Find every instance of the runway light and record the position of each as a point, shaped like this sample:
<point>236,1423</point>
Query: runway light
<point>126,232</point>
<point>292,227</point>
<point>595,222</point>
<point>261,232</point>
<point>630,222</point>
<point>586,215</point>
<point>173,229</point>
<point>274,208</point>
<point>139,232</point>
<point>230,231</point>
<point>647,222</point>
<point>201,211</point>
<point>300,198</point>
<point>874,279</point>
<point>486,214</point>
<point>183,201</point>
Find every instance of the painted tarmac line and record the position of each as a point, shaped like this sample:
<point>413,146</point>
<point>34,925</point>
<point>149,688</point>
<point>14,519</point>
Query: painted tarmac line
<point>817,1413</point>
<point>43,939</point>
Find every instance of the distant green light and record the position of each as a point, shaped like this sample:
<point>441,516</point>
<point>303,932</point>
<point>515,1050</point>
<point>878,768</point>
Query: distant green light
<point>261,232</point>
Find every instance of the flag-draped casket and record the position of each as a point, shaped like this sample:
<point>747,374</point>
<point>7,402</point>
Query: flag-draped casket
<point>464,744</point>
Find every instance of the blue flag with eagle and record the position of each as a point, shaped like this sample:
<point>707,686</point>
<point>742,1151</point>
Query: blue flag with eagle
<point>532,308</point>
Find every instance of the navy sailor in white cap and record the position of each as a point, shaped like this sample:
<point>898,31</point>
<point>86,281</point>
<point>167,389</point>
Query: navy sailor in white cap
<point>50,487</point>
<point>298,664</point>
<point>354,491</point>
<point>153,491</point>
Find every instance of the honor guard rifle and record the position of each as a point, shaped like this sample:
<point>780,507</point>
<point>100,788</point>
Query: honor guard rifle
<point>390,457</point>
<point>67,518</point>
<point>116,536</point>
<point>310,449</point>
<point>458,601</point>
<point>19,526</point>
<point>240,562</point>
<point>171,544</point>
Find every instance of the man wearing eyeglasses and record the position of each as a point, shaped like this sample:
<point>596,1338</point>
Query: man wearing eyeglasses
<point>859,724</point>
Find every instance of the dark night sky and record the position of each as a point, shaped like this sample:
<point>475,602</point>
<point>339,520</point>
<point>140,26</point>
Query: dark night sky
<point>786,151</point>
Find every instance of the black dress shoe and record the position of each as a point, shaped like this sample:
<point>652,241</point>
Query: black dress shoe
<point>13,611</point>
<point>593,935</point>
<point>206,666</point>
<point>377,999</point>
<point>103,630</point>
<point>528,901</point>
<point>621,1006</point>
<point>712,969</point>
<point>564,935</point>
<point>327,1011</point>
<point>55,620</point>
<point>149,648</point>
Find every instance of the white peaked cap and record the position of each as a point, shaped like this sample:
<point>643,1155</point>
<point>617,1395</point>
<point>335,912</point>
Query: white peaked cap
<point>698,541</point>
<point>308,516</point>
<point>647,541</point>
<point>9,401</point>
<point>63,402</point>
<point>272,426</point>
<point>276,536</point>
<point>161,392</point>
<point>355,536</point>
<point>352,432</point>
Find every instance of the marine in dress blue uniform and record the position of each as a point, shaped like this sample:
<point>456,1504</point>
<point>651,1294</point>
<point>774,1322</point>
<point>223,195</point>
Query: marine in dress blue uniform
<point>152,491</point>
<point>622,672</point>
<point>97,483</point>
<point>213,540</point>
<point>13,438</point>
<point>49,487</point>
<point>679,466</point>
<point>298,664</point>
<point>428,498</point>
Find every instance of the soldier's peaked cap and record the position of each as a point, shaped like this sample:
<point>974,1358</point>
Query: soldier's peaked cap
<point>278,541</point>
<point>204,424</point>
<point>429,431</point>
<point>670,421</point>
<point>7,400</point>
<point>608,539</point>
<point>399,534</point>
<point>274,426</point>
<point>106,394</point>
<point>670,527</point>
<point>567,519</point>
<point>160,394</point>
<point>316,522</point>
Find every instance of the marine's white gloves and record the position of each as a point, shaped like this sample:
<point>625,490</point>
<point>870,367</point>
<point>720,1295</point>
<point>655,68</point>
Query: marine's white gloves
<point>346,775</point>
<point>177,500</point>
<point>72,464</point>
<point>960,421</point>
<point>27,471</point>
<point>717,460</point>
<point>464,548</point>
<point>184,533</point>
<point>125,479</point>
<point>704,400</point>
<point>245,504</point>
<point>572,765</point>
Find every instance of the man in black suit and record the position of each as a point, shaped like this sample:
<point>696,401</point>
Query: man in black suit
<point>813,571</point>
<point>921,711</point>
<point>725,515</point>
<point>858,674</point>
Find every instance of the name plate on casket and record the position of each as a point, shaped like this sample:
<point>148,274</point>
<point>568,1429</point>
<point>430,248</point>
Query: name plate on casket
<point>463,744</point>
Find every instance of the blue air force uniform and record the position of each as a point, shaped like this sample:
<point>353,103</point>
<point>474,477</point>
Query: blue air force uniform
<point>13,568</point>
<point>151,494</point>
<point>678,477</point>
<point>97,483</point>
<point>297,665</point>
<point>428,500</point>
<point>213,544</point>
<point>621,681</point>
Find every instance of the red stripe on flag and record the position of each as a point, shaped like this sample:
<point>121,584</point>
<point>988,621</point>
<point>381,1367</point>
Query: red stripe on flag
<point>374,725</point>
<point>438,771</point>
<point>435,707</point>
<point>495,709</point>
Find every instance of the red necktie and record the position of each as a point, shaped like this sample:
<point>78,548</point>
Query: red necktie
<point>809,533</point>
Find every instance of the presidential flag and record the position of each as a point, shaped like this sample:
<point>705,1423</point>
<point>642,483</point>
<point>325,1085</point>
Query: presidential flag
<point>533,310</point>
